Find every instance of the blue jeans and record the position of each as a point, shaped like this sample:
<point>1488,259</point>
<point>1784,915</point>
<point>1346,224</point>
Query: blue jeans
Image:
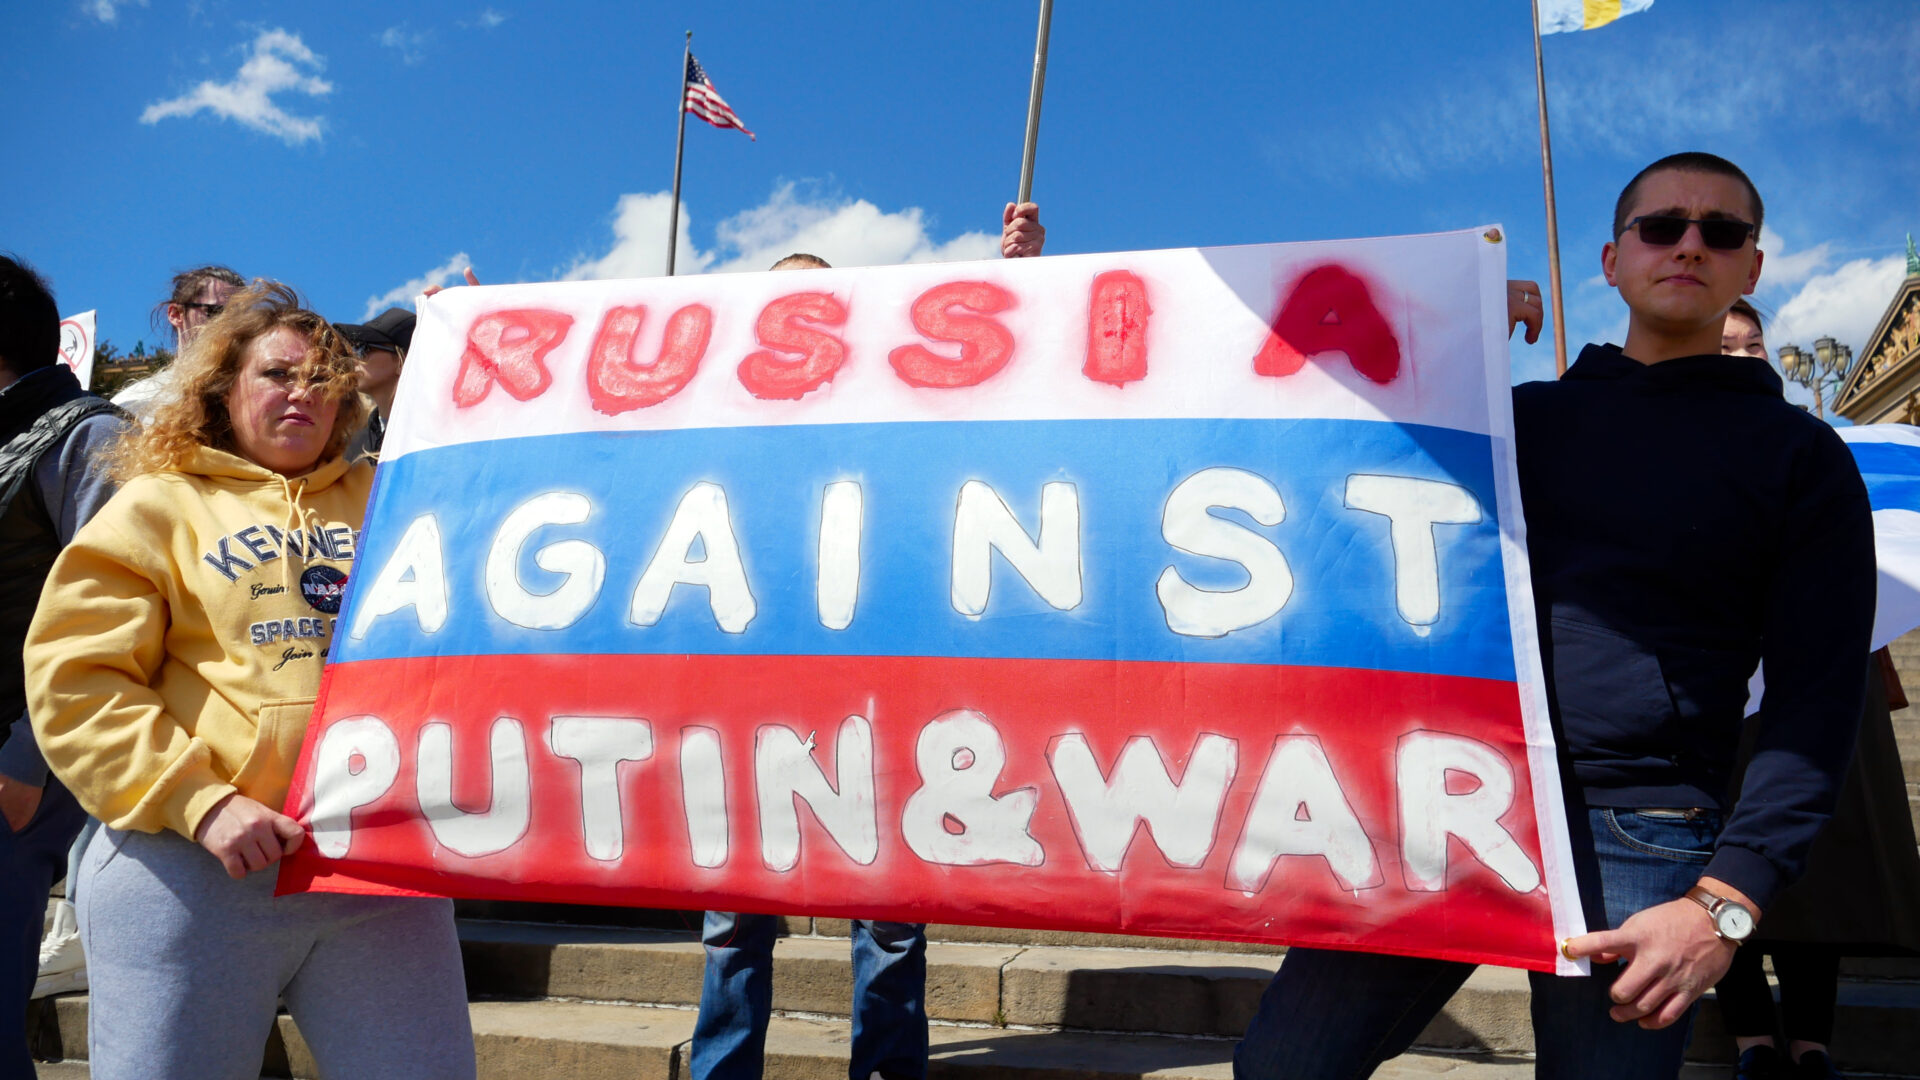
<point>736,998</point>
<point>31,860</point>
<point>1337,1015</point>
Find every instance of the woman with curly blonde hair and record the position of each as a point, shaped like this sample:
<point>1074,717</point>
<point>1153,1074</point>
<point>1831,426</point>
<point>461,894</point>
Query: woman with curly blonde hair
<point>172,666</point>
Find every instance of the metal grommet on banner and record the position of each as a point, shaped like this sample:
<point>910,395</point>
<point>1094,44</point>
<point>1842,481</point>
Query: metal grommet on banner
<point>1566,945</point>
<point>1492,236</point>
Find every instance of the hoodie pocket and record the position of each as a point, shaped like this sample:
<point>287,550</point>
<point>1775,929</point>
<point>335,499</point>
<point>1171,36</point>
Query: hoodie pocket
<point>1612,694</point>
<point>268,770</point>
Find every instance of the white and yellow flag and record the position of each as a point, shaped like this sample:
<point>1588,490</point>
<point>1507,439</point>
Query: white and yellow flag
<point>1559,15</point>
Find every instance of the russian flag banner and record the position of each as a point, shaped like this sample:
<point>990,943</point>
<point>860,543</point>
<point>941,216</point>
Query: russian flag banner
<point>1178,593</point>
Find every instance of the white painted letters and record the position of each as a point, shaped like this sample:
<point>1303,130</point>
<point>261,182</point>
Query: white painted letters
<point>1107,810</point>
<point>501,825</point>
<point>1429,814</point>
<point>837,586</point>
<point>702,516</point>
<point>415,576</point>
<point>784,769</point>
<point>983,524</point>
<point>960,756</point>
<point>338,790</point>
<point>599,744</point>
<point>1300,809</point>
<point>703,792</point>
<point>1413,507</point>
<point>1188,523</point>
<point>581,564</point>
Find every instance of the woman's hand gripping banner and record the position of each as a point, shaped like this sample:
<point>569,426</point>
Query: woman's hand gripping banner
<point>1177,592</point>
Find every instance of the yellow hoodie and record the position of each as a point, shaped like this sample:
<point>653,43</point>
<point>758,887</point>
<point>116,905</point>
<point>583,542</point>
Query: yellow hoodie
<point>177,648</point>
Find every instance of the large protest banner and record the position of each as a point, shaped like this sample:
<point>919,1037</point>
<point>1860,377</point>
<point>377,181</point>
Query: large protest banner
<point>1177,592</point>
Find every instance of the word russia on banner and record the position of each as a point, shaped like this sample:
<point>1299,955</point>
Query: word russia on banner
<point>1177,593</point>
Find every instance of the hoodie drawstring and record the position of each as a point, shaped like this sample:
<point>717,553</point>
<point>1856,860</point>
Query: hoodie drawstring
<point>296,522</point>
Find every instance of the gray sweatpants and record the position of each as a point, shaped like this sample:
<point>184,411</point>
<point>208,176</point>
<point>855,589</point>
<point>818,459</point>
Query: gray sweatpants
<point>187,966</point>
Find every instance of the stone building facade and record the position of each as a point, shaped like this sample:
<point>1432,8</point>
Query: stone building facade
<point>1884,387</point>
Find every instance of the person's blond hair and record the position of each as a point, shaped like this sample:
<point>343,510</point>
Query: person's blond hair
<point>196,415</point>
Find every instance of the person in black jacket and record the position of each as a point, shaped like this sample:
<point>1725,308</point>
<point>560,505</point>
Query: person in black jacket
<point>50,434</point>
<point>1683,523</point>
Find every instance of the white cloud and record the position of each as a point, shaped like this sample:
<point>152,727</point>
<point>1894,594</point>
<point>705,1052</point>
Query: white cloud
<point>402,295</point>
<point>276,61</point>
<point>409,43</point>
<point>1785,267</point>
<point>1845,304</point>
<point>107,11</point>
<point>845,233</point>
<point>490,18</point>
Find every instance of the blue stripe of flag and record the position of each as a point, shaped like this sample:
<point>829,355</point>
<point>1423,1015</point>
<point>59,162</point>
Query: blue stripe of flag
<point>1342,612</point>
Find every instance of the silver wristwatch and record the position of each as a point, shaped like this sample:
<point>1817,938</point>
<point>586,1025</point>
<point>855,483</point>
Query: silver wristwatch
<point>1732,920</point>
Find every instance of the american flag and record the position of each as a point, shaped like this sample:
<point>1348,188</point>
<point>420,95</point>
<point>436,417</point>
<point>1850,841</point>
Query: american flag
<point>705,102</point>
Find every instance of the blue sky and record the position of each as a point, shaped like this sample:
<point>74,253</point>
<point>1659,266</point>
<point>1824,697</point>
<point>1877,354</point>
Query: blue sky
<point>359,150</point>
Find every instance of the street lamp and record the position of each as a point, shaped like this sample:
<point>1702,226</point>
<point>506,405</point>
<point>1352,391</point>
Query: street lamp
<point>1825,366</point>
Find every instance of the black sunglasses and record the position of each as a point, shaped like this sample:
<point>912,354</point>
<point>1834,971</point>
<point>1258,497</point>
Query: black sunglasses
<point>1665,230</point>
<point>213,310</point>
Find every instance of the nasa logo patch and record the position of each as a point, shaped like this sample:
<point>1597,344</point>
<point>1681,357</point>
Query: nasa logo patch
<point>322,587</point>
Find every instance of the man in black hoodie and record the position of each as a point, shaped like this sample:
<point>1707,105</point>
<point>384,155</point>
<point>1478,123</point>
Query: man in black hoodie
<point>1684,524</point>
<point>51,434</point>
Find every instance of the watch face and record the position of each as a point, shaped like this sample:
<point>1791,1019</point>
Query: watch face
<point>1734,921</point>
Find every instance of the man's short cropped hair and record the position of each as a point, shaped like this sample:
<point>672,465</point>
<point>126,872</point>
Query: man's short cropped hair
<point>800,260</point>
<point>1691,161</point>
<point>29,318</point>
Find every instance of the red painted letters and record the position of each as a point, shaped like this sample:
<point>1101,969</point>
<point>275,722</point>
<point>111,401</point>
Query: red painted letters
<point>1117,311</point>
<point>769,373</point>
<point>985,345</point>
<point>509,347</point>
<point>618,384</point>
<point>1330,310</point>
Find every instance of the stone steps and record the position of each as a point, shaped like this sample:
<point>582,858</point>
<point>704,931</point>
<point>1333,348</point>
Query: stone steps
<point>568,1040</point>
<point>563,1001</point>
<point>1143,990</point>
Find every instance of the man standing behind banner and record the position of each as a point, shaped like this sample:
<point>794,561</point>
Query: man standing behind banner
<point>889,958</point>
<point>1677,509</point>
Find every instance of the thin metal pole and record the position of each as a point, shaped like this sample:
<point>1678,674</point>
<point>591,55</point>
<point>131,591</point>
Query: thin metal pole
<point>1033,102</point>
<point>679,148</point>
<point>1553,215</point>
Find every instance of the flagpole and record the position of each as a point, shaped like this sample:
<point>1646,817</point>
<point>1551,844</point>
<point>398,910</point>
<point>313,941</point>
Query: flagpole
<point>1553,215</point>
<point>1033,102</point>
<point>679,148</point>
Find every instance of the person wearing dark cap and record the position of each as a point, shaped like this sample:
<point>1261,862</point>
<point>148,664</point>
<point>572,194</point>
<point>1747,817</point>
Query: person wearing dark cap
<point>382,344</point>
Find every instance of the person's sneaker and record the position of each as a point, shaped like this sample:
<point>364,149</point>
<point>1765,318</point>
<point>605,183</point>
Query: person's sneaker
<point>1816,1065</point>
<point>1763,1063</point>
<point>63,966</point>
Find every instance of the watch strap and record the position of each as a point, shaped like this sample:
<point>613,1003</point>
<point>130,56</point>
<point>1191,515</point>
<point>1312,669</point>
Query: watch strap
<point>1713,902</point>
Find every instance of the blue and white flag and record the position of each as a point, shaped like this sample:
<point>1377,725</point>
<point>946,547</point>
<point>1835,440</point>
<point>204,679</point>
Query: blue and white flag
<point>1889,459</point>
